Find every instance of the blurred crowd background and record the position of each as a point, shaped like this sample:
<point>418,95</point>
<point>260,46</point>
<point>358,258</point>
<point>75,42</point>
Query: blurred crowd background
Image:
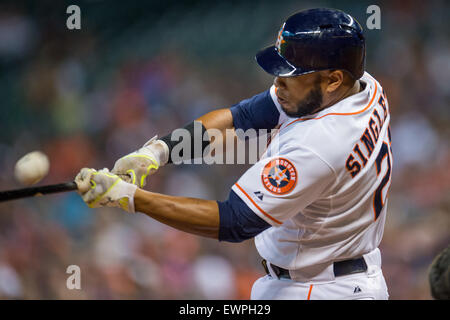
<point>136,69</point>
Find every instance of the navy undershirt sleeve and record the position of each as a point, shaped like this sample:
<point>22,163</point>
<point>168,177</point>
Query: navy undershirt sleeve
<point>258,112</point>
<point>237,221</point>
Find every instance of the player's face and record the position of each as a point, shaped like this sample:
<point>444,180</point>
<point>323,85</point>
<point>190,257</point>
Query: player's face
<point>299,96</point>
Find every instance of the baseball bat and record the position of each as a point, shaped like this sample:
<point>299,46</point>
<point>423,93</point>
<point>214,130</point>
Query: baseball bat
<point>37,191</point>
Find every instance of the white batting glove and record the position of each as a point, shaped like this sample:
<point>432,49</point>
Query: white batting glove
<point>143,162</point>
<point>102,188</point>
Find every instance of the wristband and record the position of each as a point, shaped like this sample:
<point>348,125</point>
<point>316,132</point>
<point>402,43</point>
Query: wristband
<point>197,134</point>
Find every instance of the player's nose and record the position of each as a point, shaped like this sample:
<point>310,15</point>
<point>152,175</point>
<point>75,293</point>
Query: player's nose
<point>279,82</point>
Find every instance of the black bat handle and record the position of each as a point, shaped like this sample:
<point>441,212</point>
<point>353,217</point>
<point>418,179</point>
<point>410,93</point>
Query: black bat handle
<point>34,191</point>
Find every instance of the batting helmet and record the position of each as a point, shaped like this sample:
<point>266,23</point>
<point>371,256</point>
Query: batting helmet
<point>314,40</point>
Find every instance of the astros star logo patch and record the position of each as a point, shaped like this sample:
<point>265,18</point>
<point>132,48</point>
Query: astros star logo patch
<point>279,176</point>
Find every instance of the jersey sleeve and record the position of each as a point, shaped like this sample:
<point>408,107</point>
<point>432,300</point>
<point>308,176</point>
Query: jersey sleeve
<point>261,111</point>
<point>278,188</point>
<point>237,221</point>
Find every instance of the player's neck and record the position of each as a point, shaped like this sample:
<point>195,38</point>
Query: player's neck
<point>351,91</point>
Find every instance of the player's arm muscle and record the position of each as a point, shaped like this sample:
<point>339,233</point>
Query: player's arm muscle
<point>258,112</point>
<point>231,220</point>
<point>196,216</point>
<point>220,119</point>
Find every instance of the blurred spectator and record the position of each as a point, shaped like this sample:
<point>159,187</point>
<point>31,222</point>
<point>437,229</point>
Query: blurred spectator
<point>207,268</point>
<point>439,276</point>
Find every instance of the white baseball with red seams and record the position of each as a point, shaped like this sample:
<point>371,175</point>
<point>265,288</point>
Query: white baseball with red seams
<point>331,203</point>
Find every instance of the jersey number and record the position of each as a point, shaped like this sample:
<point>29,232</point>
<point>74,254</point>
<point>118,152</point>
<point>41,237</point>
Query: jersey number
<point>378,201</point>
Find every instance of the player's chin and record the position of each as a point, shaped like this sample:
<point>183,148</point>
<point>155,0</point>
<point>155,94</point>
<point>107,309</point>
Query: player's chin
<point>288,109</point>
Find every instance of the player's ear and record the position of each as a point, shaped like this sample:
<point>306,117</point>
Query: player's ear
<point>334,78</point>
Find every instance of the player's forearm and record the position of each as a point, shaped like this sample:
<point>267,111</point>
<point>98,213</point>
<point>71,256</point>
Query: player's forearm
<point>196,216</point>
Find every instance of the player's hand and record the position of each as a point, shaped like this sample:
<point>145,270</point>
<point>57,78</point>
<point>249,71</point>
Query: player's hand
<point>136,166</point>
<point>102,188</point>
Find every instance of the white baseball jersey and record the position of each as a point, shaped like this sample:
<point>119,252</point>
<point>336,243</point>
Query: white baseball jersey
<point>323,182</point>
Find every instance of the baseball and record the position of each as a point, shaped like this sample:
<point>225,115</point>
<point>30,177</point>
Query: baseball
<point>31,168</point>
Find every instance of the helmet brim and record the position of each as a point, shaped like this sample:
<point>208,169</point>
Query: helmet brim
<point>273,63</point>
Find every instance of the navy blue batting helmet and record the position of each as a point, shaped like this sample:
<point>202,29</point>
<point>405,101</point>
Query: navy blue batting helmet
<point>314,40</point>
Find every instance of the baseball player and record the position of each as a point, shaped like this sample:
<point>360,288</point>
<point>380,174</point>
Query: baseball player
<point>316,204</point>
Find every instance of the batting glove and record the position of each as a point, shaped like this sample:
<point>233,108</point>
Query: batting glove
<point>136,166</point>
<point>102,188</point>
